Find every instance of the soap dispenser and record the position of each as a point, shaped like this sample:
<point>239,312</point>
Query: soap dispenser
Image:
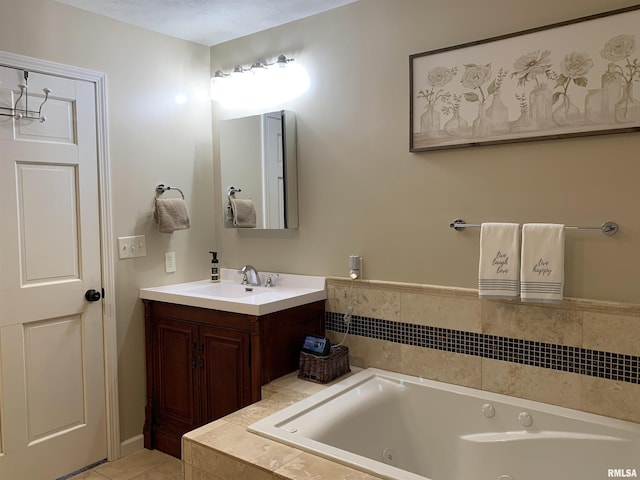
<point>215,267</point>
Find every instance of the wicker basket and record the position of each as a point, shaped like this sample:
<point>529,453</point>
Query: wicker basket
<point>324,369</point>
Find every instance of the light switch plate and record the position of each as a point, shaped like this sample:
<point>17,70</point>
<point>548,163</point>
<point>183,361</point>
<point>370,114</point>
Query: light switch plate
<point>132,247</point>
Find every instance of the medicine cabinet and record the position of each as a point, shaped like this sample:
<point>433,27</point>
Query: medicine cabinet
<point>258,158</point>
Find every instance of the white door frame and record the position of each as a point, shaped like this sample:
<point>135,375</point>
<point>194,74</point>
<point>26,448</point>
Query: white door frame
<point>106,229</point>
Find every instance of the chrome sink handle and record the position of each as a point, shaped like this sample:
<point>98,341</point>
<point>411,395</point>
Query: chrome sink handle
<point>270,280</point>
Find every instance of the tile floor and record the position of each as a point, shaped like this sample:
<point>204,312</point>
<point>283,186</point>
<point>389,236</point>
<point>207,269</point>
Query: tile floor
<point>141,465</point>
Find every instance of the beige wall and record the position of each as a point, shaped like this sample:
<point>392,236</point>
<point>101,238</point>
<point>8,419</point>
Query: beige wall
<point>361,191</point>
<point>152,140</point>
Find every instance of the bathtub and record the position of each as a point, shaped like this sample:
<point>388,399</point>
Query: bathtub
<point>401,427</point>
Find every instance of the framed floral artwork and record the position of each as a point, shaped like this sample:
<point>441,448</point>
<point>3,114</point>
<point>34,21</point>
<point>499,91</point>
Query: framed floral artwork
<point>580,77</point>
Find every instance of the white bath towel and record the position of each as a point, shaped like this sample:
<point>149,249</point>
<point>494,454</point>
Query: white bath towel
<point>171,214</point>
<point>542,263</point>
<point>498,273</point>
<point>242,213</point>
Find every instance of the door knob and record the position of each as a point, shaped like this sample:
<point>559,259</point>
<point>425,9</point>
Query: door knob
<point>92,295</point>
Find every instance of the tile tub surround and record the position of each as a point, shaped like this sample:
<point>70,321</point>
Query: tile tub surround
<point>225,450</point>
<point>579,354</point>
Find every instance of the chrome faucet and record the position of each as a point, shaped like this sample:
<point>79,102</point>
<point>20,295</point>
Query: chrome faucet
<point>250,275</point>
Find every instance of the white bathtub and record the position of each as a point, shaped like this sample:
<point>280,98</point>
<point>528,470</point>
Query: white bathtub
<point>401,427</point>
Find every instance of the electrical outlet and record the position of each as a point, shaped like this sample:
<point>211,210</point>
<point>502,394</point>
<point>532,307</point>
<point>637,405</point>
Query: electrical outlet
<point>132,247</point>
<point>170,262</point>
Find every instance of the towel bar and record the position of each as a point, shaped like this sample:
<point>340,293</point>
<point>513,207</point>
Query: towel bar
<point>161,188</point>
<point>608,228</point>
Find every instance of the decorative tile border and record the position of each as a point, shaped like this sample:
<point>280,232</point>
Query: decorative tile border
<point>584,361</point>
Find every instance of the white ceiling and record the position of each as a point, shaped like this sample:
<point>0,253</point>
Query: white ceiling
<point>208,22</point>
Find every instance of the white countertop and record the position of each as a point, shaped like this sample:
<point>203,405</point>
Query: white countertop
<point>230,296</point>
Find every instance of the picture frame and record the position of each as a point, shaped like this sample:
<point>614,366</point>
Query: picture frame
<point>575,78</point>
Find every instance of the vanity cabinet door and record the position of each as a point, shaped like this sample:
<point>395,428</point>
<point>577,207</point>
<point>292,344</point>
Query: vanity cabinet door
<point>225,380</point>
<point>204,364</point>
<point>175,383</point>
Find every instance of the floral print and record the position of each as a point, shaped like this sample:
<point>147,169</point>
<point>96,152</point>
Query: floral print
<point>476,75</point>
<point>618,48</point>
<point>576,66</point>
<point>547,90</point>
<point>437,77</point>
<point>440,76</point>
<point>530,66</point>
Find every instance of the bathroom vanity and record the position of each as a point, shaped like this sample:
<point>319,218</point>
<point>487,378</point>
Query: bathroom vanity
<point>204,363</point>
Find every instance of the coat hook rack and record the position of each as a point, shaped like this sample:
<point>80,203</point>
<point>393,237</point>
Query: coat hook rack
<point>25,113</point>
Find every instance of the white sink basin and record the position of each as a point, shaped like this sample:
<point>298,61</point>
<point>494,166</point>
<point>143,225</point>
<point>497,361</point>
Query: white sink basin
<point>230,296</point>
<point>225,290</point>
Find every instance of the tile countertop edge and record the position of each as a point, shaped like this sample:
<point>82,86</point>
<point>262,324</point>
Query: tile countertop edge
<point>289,386</point>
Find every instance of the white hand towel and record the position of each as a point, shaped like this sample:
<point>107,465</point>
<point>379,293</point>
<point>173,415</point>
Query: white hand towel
<point>498,275</point>
<point>542,263</point>
<point>243,213</point>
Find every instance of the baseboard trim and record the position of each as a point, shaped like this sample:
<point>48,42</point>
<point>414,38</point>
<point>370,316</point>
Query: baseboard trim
<point>131,445</point>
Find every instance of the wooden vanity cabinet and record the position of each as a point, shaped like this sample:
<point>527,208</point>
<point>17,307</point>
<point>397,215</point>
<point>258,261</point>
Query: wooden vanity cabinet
<point>204,364</point>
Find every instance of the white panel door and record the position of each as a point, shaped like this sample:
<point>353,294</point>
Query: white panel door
<point>52,398</point>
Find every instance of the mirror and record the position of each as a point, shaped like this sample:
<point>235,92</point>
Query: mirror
<point>258,159</point>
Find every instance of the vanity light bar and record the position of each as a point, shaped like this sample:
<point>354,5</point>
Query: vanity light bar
<point>281,61</point>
